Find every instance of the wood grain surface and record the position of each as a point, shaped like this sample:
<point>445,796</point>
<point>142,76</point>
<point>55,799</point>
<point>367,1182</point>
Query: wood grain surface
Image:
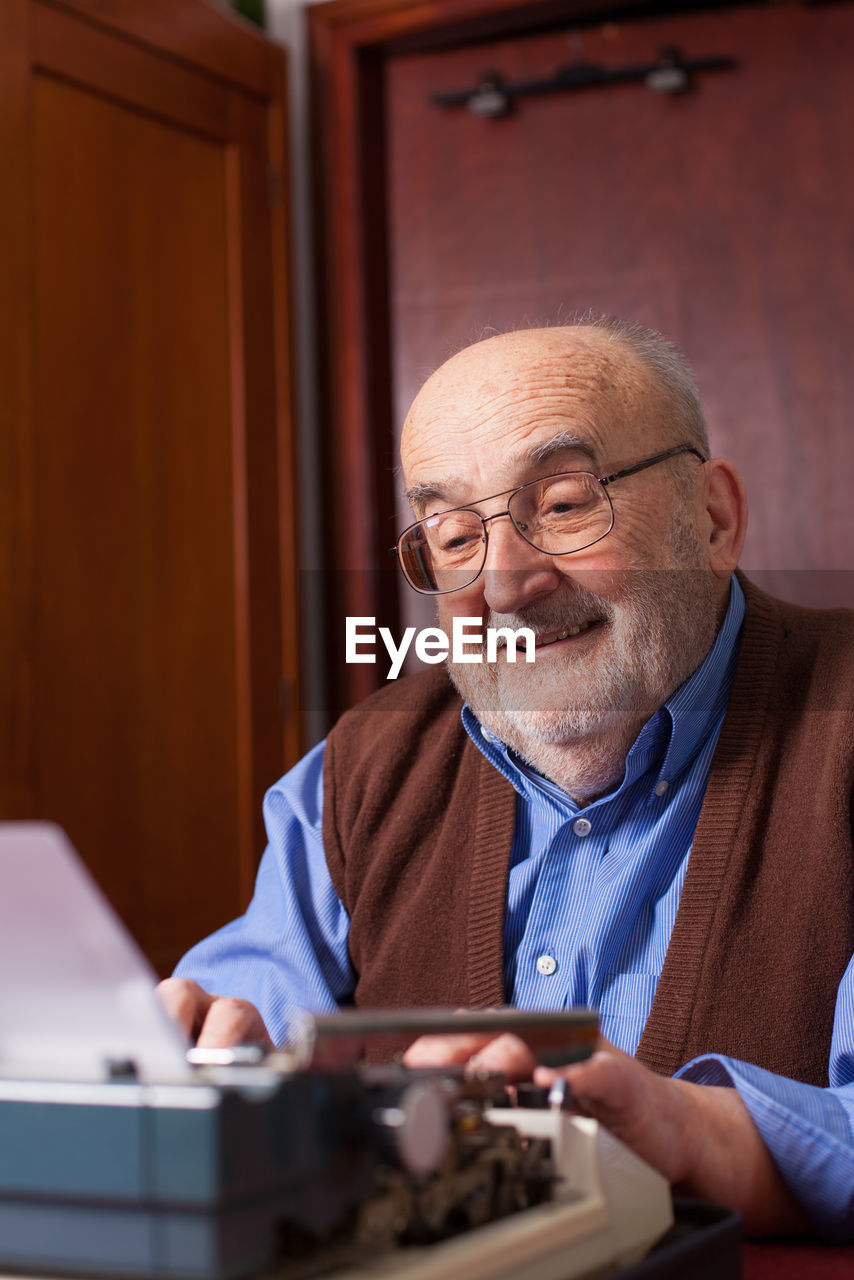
<point>152,598</point>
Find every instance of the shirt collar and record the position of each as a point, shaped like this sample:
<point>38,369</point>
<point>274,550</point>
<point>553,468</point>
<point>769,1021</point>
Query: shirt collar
<point>671,738</point>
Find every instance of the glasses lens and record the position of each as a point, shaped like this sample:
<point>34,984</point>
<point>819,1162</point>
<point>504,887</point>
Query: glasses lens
<point>562,513</point>
<point>443,552</point>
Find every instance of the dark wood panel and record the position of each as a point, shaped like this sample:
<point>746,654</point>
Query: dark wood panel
<point>398,25</point>
<point>92,56</point>
<point>272,620</point>
<point>149,454</point>
<point>286,453</point>
<point>137,609</point>
<point>206,37</point>
<point>354,380</point>
<point>15,402</point>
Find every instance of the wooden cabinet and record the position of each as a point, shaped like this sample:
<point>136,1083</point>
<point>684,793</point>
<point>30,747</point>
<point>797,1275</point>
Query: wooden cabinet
<point>148,646</point>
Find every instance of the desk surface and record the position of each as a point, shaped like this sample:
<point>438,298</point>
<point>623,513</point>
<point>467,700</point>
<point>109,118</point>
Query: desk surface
<point>789,1261</point>
<point>792,1261</point>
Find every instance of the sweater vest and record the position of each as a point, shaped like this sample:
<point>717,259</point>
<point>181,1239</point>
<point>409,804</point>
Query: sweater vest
<point>418,830</point>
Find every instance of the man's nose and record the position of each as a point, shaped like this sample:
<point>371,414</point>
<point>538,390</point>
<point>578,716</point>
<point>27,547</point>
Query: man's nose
<point>515,573</point>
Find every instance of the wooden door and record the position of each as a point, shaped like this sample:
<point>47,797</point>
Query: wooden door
<point>721,215</point>
<point>151,585</point>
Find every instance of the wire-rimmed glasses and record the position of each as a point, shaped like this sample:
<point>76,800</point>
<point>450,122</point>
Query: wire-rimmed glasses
<point>557,514</point>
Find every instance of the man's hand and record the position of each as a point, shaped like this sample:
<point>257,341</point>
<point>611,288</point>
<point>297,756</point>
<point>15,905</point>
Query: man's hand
<point>505,1055</point>
<point>213,1022</point>
<point>700,1137</point>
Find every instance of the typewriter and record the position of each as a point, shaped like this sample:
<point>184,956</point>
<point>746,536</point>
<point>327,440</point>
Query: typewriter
<point>123,1154</point>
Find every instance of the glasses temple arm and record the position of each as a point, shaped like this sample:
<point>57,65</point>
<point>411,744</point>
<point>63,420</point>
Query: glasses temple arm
<point>650,462</point>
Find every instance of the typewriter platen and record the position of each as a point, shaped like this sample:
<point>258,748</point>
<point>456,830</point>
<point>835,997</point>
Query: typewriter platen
<point>307,1163</point>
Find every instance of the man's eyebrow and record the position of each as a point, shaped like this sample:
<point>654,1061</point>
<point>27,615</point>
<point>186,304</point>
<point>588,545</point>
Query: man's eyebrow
<point>563,442</point>
<point>419,495</point>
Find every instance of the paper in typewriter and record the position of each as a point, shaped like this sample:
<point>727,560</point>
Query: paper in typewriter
<point>76,993</point>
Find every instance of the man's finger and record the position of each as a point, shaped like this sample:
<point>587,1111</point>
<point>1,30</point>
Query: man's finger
<point>649,1113</point>
<point>230,1021</point>
<point>610,1086</point>
<point>444,1051</point>
<point>506,1055</point>
<point>185,1002</point>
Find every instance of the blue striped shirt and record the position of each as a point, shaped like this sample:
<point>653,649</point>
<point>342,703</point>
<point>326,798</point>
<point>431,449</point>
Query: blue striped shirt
<point>592,897</point>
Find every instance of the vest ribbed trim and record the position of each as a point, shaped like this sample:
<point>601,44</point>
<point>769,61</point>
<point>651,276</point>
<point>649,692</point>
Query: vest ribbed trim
<point>720,841</point>
<point>496,816</point>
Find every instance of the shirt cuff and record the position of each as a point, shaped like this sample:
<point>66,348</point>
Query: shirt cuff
<point>807,1131</point>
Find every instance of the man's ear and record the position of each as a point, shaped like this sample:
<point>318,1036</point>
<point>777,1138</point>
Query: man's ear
<point>725,515</point>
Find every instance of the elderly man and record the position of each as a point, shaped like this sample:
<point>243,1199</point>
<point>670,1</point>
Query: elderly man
<point>654,819</point>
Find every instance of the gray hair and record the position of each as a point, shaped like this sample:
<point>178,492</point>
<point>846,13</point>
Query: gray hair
<point>667,365</point>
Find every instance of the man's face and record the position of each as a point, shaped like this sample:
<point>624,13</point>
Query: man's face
<point>619,625</point>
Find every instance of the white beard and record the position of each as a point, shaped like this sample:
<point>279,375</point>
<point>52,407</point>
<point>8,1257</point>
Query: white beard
<point>573,715</point>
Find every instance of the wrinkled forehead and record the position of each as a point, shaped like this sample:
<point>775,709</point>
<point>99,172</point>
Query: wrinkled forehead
<point>492,407</point>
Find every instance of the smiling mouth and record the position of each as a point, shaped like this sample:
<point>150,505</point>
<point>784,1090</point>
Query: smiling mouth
<point>566,633</point>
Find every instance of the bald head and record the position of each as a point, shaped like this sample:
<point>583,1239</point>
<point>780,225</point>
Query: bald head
<point>609,390</point>
<point>618,355</point>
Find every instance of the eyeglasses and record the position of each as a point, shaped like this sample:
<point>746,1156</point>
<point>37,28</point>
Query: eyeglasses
<point>558,515</point>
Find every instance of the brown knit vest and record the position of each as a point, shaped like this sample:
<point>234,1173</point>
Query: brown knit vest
<point>418,829</point>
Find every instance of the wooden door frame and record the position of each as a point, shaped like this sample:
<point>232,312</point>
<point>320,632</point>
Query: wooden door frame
<point>348,43</point>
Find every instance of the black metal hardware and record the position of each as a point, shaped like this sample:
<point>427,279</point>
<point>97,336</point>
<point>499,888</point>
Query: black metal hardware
<point>672,73</point>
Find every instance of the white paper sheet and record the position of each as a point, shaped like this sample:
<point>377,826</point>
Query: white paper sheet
<point>75,990</point>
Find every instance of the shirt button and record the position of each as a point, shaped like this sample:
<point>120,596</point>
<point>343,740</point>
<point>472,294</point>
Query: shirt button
<point>484,733</point>
<point>546,965</point>
<point>582,827</point>
<point>661,787</point>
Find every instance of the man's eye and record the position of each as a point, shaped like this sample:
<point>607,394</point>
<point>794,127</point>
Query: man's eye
<point>459,541</point>
<point>453,534</point>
